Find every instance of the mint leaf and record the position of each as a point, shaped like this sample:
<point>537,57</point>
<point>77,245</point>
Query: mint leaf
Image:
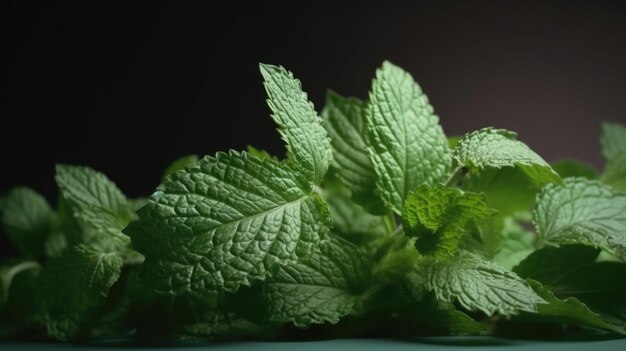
<point>601,286</point>
<point>308,147</point>
<point>480,285</point>
<point>614,173</point>
<point>100,209</point>
<point>572,271</point>
<point>569,310</point>
<point>407,144</point>
<point>73,287</point>
<point>351,221</point>
<point>439,216</point>
<point>27,220</point>
<point>582,212</point>
<point>568,167</point>
<point>328,286</point>
<point>613,140</point>
<point>549,264</point>
<point>180,164</point>
<point>259,153</point>
<point>516,245</point>
<point>345,122</point>
<point>227,221</point>
<point>508,190</point>
<point>497,148</point>
<point>439,314</point>
<point>453,141</point>
<point>454,322</point>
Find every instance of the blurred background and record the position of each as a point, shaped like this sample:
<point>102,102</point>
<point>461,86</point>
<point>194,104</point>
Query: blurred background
<point>128,88</point>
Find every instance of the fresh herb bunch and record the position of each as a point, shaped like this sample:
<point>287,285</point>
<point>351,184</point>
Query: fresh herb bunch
<point>375,223</point>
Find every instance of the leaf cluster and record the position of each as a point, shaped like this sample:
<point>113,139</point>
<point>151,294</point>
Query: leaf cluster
<point>375,222</point>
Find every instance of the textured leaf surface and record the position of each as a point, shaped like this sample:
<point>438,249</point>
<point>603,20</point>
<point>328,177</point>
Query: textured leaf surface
<point>582,212</point>
<point>226,221</point>
<point>498,148</point>
<point>97,205</point>
<point>325,288</point>
<point>345,122</point>
<point>308,147</point>
<point>73,287</point>
<point>438,216</point>
<point>407,145</point>
<point>480,285</point>
<point>27,219</point>
<point>569,310</point>
<point>613,140</point>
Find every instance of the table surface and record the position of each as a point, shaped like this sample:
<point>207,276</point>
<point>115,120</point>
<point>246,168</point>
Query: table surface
<point>418,344</point>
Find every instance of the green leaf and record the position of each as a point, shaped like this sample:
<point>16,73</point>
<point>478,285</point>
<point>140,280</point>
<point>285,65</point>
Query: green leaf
<point>345,122</point>
<point>569,310</point>
<point>308,147</point>
<point>497,148</point>
<point>454,322</point>
<point>508,190</point>
<point>180,164</point>
<point>227,221</point>
<point>480,285</point>
<point>517,244</point>
<point>99,208</point>
<point>438,216</point>
<point>351,221</point>
<point>73,287</point>
<point>601,286</point>
<point>407,145</point>
<point>572,271</point>
<point>330,285</point>
<point>582,212</point>
<point>549,264</point>
<point>613,140</point>
<point>259,153</point>
<point>27,220</point>
<point>568,167</point>
<point>436,313</point>
<point>614,174</point>
<point>453,141</point>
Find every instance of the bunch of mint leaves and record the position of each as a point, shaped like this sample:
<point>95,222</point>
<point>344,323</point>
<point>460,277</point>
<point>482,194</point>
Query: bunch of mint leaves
<point>375,223</point>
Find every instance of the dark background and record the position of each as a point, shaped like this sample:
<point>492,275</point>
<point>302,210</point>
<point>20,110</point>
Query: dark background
<point>128,88</point>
